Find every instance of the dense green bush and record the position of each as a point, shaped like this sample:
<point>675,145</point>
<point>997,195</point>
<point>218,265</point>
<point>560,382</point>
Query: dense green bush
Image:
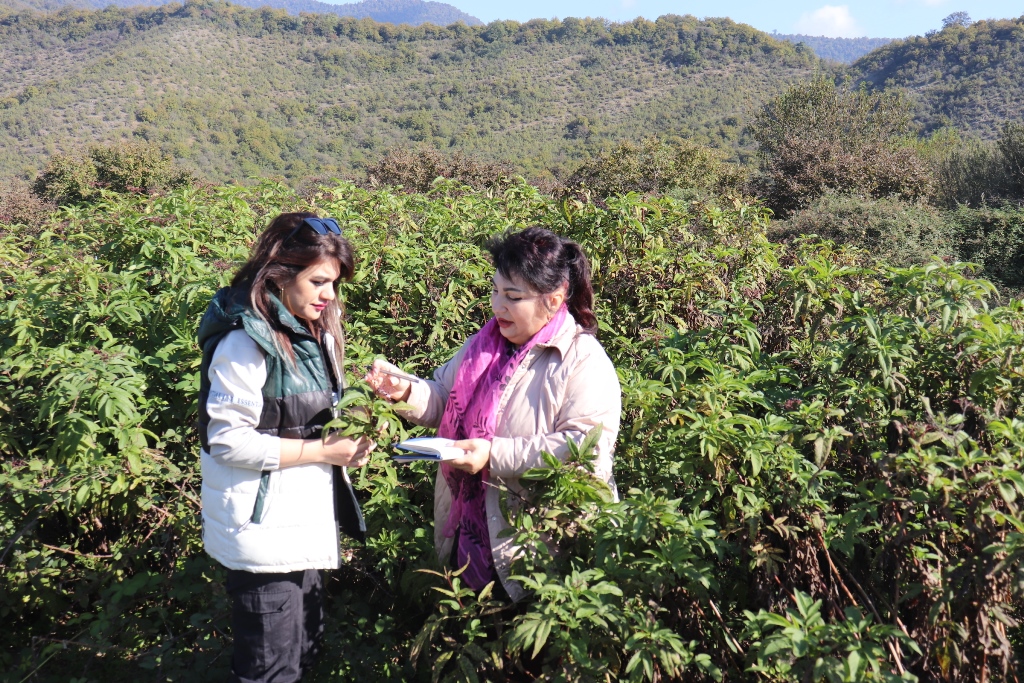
<point>994,238</point>
<point>819,462</point>
<point>977,173</point>
<point>416,170</point>
<point>654,165</point>
<point>815,138</point>
<point>119,167</point>
<point>896,231</point>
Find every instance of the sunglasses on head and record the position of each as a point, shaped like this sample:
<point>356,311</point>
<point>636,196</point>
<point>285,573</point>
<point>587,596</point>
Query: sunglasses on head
<point>321,226</point>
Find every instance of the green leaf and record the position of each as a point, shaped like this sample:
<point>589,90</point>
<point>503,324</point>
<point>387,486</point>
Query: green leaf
<point>540,637</point>
<point>755,464</point>
<point>1008,492</point>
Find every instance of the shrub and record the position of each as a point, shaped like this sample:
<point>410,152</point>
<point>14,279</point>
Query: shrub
<point>1011,148</point>
<point>118,167</point>
<point>416,171</point>
<point>994,238</point>
<point>20,206</point>
<point>815,139</point>
<point>653,166</point>
<point>893,230</point>
<point>67,179</point>
<point>135,167</point>
<point>969,174</point>
<point>977,173</point>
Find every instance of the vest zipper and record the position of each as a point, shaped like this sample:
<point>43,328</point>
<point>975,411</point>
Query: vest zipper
<point>261,498</point>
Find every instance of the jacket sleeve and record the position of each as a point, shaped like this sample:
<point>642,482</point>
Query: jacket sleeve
<point>429,397</point>
<point>592,397</point>
<point>238,371</point>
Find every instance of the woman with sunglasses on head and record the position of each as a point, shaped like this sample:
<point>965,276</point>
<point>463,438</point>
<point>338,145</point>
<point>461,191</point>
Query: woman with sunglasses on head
<point>274,493</point>
<point>532,379</point>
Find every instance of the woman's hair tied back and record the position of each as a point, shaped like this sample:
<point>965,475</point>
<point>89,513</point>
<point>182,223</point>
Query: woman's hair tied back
<point>545,261</point>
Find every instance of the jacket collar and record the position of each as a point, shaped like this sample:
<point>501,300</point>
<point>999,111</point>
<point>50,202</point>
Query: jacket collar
<point>564,337</point>
<point>287,319</point>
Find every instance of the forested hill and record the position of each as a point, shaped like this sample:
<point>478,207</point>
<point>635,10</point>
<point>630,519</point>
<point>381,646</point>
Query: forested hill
<point>969,77</point>
<point>413,12</point>
<point>235,92</point>
<point>842,50</point>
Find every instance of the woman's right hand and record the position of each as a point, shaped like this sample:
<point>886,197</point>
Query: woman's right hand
<point>388,386</point>
<point>348,452</point>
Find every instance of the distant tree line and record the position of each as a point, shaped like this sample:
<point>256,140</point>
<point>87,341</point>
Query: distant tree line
<point>842,50</point>
<point>413,12</point>
<point>684,39</point>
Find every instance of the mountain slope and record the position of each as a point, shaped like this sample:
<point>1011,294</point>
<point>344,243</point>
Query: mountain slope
<point>842,50</point>
<point>235,92</point>
<point>413,12</point>
<point>968,77</point>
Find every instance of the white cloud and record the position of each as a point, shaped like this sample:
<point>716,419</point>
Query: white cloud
<point>830,20</point>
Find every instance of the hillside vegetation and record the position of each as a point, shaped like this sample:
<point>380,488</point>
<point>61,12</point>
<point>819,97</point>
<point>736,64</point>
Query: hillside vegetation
<point>234,92</point>
<point>413,12</point>
<point>969,77</point>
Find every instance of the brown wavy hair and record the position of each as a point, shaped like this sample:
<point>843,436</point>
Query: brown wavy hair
<point>284,250</point>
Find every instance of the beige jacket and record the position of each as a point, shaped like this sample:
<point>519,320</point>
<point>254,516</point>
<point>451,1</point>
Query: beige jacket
<point>560,391</point>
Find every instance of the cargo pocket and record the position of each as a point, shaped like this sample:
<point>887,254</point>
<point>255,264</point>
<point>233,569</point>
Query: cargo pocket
<point>265,632</point>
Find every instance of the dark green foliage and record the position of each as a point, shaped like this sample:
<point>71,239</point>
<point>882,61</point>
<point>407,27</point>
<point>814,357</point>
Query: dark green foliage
<point>653,165</point>
<point>120,167</point>
<point>842,50</point>
<point>819,464</point>
<point>899,232</point>
<point>969,174</point>
<point>969,77</point>
<point>994,238</point>
<point>1011,147</point>
<point>818,109</point>
<point>67,178</point>
<point>815,138</point>
<point>977,173</point>
<point>235,93</point>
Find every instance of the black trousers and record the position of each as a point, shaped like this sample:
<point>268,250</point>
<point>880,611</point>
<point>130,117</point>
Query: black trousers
<point>278,624</point>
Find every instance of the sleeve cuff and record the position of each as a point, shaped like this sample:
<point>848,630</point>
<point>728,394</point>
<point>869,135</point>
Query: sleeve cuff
<point>419,399</point>
<point>272,458</point>
<point>502,463</point>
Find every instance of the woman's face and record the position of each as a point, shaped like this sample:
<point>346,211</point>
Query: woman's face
<point>521,311</point>
<point>311,291</point>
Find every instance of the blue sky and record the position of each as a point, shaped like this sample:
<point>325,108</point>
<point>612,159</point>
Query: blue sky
<point>839,18</point>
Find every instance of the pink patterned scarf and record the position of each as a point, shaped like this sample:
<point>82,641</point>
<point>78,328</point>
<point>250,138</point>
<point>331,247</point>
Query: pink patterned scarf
<point>470,413</point>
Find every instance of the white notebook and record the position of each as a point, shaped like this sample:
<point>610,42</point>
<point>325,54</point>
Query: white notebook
<point>427,448</point>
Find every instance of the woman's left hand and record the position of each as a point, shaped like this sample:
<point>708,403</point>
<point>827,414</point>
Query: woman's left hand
<point>478,454</point>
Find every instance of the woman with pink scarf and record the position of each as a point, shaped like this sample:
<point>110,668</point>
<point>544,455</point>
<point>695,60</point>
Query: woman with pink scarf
<point>530,380</point>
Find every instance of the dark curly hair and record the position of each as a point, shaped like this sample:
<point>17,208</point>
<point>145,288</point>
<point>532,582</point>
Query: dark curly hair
<point>545,262</point>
